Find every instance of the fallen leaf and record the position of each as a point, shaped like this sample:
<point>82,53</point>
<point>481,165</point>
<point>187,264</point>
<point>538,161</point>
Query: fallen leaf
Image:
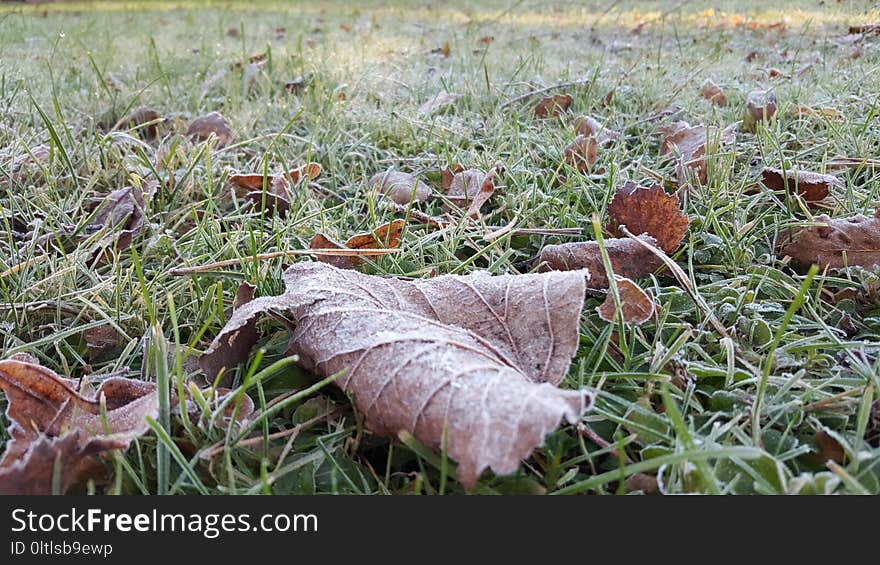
<point>643,482</point>
<point>811,186</point>
<point>248,182</point>
<point>628,259</point>
<point>471,188</point>
<point>232,32</point>
<point>139,118</point>
<point>487,39</point>
<point>823,113</point>
<point>713,93</point>
<point>866,29</point>
<point>760,108</point>
<point>552,106</point>
<point>386,236</point>
<point>648,209</point>
<point>438,101</point>
<point>637,306</point>
<point>589,126</point>
<point>298,84</point>
<point>466,361</point>
<point>243,295</point>
<point>400,187</point>
<point>50,420</point>
<point>828,448</point>
<point>582,153</point>
<point>101,340</point>
<point>214,124</point>
<point>446,50</point>
<point>124,209</point>
<point>693,143</point>
<point>856,238</point>
<point>28,162</point>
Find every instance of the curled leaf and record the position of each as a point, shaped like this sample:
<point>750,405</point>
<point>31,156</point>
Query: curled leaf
<point>582,153</point>
<point>713,93</point>
<point>693,143</point>
<point>142,116</point>
<point>637,306</point>
<point>471,188</point>
<point>760,108</point>
<point>50,420</point>
<point>811,186</point>
<point>628,259</point>
<point>552,106</point>
<point>386,236</point>
<point>589,126</point>
<point>214,124</point>
<point>469,361</point>
<point>437,102</point>
<point>400,187</point>
<point>249,182</point>
<point>837,243</point>
<point>648,210</point>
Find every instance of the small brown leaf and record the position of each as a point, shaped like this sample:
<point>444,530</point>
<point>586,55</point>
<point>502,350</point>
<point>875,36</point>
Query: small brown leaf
<point>248,182</point>
<point>101,340</point>
<point>214,124</point>
<point>649,210</point>
<point>628,259</point>
<point>124,209</point>
<point>43,407</point>
<point>811,186</point>
<point>713,93</point>
<point>400,187</point>
<point>487,39</point>
<point>275,203</point>
<point>693,143</point>
<point>243,295</point>
<point>469,362</point>
<point>142,116</point>
<point>582,153</point>
<point>643,482</point>
<point>446,50</point>
<point>438,101</point>
<point>589,126</point>
<point>471,188</point>
<point>552,106</point>
<point>298,84</point>
<point>821,113</point>
<point>855,239</point>
<point>637,306</point>
<point>866,29</point>
<point>760,108</point>
<point>386,236</point>
<point>829,449</point>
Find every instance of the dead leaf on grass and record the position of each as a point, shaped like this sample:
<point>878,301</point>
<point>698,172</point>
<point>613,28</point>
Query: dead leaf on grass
<point>628,259</point>
<point>637,305</point>
<point>400,187</point>
<point>214,124</point>
<point>693,144</point>
<point>811,186</point>
<point>437,102</point>
<point>473,358</point>
<point>386,236</point>
<point>471,188</point>
<point>552,106</point>
<point>761,107</point>
<point>836,243</point>
<point>648,210</point>
<point>590,126</point>
<point>713,93</point>
<point>582,153</point>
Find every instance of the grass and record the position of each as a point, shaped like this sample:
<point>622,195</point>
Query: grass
<point>676,398</point>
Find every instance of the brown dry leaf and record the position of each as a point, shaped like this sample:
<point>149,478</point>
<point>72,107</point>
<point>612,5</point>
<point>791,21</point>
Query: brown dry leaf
<point>486,40</point>
<point>713,93</point>
<point>399,187</point>
<point>693,143</point>
<point>249,182</point>
<point>124,208</point>
<point>856,238</point>
<point>214,124</point>
<point>822,113</point>
<point>582,153</point>
<point>438,101</point>
<point>243,295</point>
<point>386,236</point>
<point>648,209</point>
<point>474,358</point>
<point>142,116</point>
<point>471,188</point>
<point>636,304</point>
<point>643,482</point>
<point>101,340</point>
<point>628,259</point>
<point>446,50</point>
<point>25,164</point>
<point>589,126</point>
<point>829,449</point>
<point>811,186</point>
<point>299,83</point>
<point>866,29</point>
<point>760,108</point>
<point>50,419</point>
<point>552,106</point>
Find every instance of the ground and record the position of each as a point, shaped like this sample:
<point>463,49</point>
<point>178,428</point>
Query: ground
<point>676,399</point>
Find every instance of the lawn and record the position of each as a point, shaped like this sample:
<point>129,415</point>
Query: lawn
<point>764,381</point>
